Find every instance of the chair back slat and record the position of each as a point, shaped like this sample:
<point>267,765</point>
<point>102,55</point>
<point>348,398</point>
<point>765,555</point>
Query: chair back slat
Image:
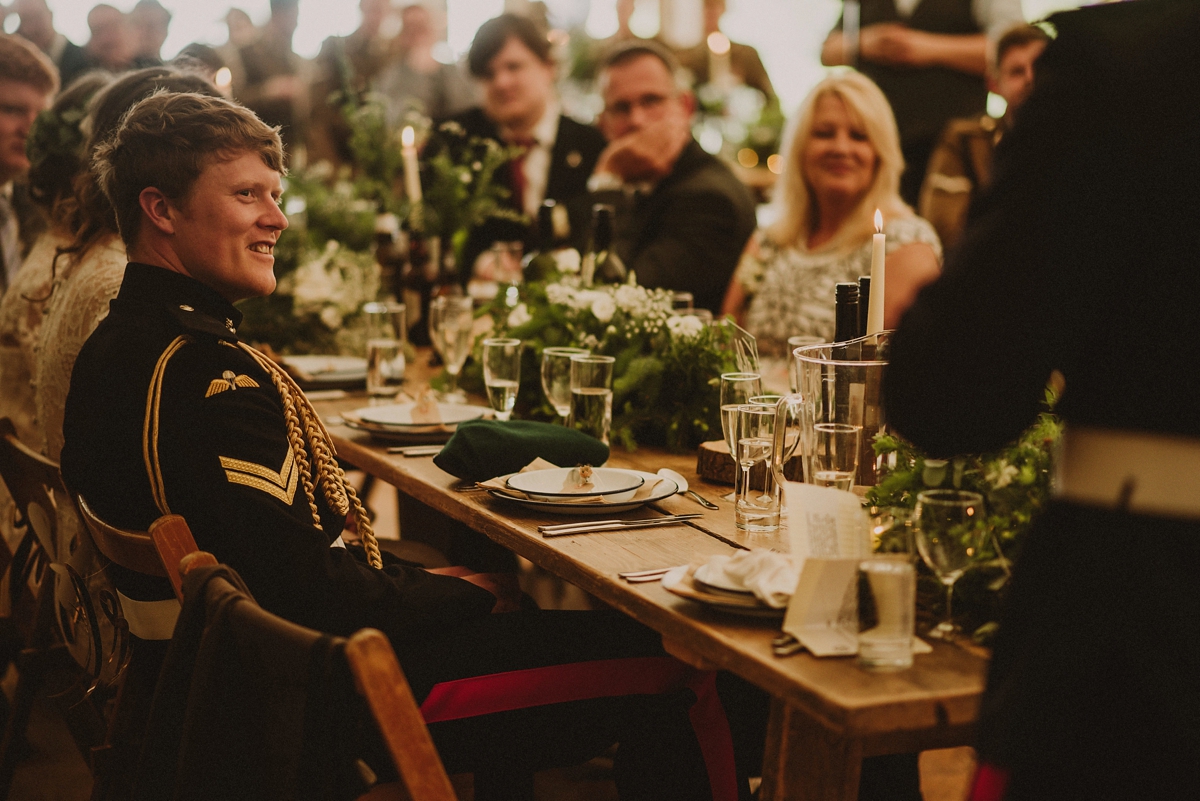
<point>173,541</point>
<point>382,683</point>
<point>132,550</point>
<point>30,479</point>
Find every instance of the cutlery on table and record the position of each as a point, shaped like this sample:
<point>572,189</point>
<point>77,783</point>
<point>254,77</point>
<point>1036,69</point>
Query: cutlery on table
<point>682,482</point>
<point>565,529</point>
<point>417,450</point>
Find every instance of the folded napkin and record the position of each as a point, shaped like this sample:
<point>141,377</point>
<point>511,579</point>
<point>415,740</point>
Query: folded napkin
<point>483,449</point>
<point>771,576</point>
<point>500,484</point>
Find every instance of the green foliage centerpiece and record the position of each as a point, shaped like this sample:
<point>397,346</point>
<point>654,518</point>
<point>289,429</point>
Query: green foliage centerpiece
<point>1015,484</point>
<point>666,380</point>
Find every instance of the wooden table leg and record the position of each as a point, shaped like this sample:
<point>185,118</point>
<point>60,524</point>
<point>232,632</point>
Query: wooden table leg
<point>804,761</point>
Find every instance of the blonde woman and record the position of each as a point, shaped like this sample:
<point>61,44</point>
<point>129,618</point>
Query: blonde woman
<point>842,161</point>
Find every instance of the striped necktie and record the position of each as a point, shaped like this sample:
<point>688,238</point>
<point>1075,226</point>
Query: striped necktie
<point>517,165</point>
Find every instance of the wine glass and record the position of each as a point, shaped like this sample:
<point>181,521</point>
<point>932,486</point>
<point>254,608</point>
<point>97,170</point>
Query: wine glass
<point>556,377</point>
<point>450,322</point>
<point>502,374</point>
<point>950,528</point>
<point>736,390</point>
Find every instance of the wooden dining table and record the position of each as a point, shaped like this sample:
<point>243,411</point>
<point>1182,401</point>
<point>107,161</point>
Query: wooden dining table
<point>827,714</point>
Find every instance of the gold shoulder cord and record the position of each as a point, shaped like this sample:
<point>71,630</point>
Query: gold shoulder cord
<point>303,425</point>
<point>150,426</point>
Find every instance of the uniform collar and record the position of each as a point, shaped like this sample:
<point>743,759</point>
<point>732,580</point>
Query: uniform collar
<point>157,286</point>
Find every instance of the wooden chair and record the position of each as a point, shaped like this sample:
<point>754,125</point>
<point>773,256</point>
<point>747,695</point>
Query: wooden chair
<point>379,679</point>
<point>154,553</point>
<point>32,481</point>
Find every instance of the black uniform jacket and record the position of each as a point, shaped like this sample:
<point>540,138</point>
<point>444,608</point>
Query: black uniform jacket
<point>1083,256</point>
<point>168,414</point>
<point>688,233</point>
<point>572,159</point>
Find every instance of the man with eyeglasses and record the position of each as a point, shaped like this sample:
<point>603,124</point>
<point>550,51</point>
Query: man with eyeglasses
<point>683,217</point>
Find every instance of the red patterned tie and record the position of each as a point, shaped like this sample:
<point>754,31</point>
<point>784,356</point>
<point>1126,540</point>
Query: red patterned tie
<point>517,165</point>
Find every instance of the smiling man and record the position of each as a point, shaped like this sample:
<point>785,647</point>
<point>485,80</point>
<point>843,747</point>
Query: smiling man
<point>169,413</point>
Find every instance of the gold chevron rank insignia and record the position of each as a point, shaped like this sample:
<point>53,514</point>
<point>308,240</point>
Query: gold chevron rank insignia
<point>229,380</point>
<point>281,485</point>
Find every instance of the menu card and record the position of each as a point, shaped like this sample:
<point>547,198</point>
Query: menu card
<point>830,534</point>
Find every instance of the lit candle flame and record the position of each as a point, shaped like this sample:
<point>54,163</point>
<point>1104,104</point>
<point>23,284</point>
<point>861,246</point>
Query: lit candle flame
<point>408,136</point>
<point>878,221</point>
<point>718,43</point>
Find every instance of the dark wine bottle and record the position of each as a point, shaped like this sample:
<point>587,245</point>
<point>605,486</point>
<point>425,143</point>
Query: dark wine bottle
<point>845,312</point>
<point>539,262</point>
<point>864,303</point>
<point>602,262</point>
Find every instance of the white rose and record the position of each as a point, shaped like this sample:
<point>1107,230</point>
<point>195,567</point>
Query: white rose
<point>567,261</point>
<point>584,298</point>
<point>519,316</point>
<point>603,308</point>
<point>687,326</point>
<point>558,294</point>
<point>629,298</point>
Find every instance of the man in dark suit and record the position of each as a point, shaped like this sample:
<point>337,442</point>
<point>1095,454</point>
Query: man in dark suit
<point>1083,258</point>
<point>27,82</point>
<point>683,217</point>
<point>510,57</point>
<point>37,25</point>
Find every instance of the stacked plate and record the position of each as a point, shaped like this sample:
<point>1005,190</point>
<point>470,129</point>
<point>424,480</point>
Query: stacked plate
<point>327,372</point>
<point>396,423</point>
<point>608,490</point>
<point>713,590</point>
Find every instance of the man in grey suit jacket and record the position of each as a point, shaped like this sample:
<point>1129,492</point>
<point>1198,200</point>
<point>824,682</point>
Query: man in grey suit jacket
<point>683,216</point>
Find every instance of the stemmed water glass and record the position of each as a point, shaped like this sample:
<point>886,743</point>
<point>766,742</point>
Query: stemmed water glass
<point>450,322</point>
<point>736,390</point>
<point>950,528</point>
<point>502,374</point>
<point>556,377</point>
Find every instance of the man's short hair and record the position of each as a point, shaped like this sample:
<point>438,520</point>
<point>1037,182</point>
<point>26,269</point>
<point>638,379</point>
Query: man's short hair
<point>1019,36</point>
<point>495,33</point>
<point>624,52</point>
<point>22,62</point>
<point>166,141</point>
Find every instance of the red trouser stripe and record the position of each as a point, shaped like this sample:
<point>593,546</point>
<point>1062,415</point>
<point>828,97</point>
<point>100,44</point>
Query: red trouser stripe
<point>606,678</point>
<point>990,783</point>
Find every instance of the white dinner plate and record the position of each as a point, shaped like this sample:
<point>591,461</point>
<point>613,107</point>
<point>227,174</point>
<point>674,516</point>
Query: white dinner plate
<point>665,488</point>
<point>328,369</point>
<point>548,485</point>
<point>400,415</point>
<point>681,581</point>
<point>424,435</point>
<point>710,577</point>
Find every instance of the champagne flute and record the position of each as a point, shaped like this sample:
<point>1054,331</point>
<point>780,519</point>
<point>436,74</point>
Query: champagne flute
<point>556,377</point>
<point>450,323</point>
<point>736,390</point>
<point>950,528</point>
<point>502,374</point>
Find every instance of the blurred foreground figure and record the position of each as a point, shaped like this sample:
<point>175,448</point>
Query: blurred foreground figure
<point>1083,258</point>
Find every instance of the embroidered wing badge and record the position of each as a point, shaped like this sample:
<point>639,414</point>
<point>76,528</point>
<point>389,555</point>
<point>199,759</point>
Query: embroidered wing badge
<point>229,380</point>
<point>281,485</point>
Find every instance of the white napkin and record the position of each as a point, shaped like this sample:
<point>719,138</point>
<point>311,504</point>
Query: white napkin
<point>771,576</point>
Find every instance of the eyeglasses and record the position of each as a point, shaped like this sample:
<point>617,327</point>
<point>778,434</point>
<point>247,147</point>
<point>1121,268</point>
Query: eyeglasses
<point>647,102</point>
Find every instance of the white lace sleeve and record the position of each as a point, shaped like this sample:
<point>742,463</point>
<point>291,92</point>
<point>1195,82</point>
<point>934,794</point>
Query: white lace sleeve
<point>79,303</point>
<point>903,231</point>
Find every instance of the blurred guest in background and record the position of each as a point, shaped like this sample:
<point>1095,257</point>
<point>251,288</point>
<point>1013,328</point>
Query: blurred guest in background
<point>929,58</point>
<point>414,80</point>
<point>718,60</point>
<point>37,25</point>
<point>510,58</point>
<point>273,81</point>
<point>150,22</point>
<point>961,167</point>
<point>841,162</point>
<point>343,70</point>
<point>241,33</point>
<point>206,62</point>
<point>113,44</point>
<point>682,216</point>
<point>27,82</point>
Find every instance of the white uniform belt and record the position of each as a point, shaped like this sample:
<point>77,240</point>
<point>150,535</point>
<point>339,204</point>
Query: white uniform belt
<point>150,620</point>
<point>1137,472</point>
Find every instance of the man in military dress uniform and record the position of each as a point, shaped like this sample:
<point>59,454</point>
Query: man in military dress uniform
<point>169,413</point>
